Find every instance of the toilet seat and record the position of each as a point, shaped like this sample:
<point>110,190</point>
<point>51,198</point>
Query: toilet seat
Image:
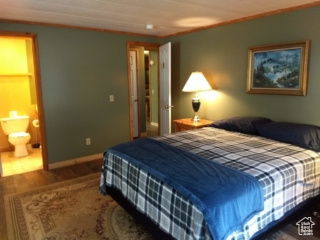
<point>19,135</point>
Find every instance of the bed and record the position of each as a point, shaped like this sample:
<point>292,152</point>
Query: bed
<point>232,180</point>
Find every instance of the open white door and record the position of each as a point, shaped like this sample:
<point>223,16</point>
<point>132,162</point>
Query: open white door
<point>134,93</point>
<point>165,88</point>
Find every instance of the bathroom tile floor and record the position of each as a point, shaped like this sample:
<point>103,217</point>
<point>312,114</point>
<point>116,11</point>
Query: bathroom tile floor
<point>12,165</point>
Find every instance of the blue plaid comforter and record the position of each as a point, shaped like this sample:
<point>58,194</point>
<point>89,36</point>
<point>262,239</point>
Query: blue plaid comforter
<point>288,174</point>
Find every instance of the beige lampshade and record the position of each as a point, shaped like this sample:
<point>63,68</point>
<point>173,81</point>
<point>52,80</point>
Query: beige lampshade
<point>196,83</point>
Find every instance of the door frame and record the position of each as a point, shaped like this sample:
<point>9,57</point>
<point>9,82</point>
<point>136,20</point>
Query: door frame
<point>132,45</point>
<point>36,62</point>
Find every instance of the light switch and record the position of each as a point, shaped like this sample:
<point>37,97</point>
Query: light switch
<point>111,97</point>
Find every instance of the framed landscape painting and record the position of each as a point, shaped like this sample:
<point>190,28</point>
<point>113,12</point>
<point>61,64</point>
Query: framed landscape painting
<point>278,69</point>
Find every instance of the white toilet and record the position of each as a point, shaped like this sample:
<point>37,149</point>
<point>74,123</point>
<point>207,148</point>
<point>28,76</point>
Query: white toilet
<point>16,127</point>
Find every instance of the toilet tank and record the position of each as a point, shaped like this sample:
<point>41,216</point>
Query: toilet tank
<point>14,124</point>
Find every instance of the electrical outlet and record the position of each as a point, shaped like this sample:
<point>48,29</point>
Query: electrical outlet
<point>88,141</point>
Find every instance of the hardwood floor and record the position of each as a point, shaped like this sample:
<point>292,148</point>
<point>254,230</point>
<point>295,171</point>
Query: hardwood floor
<point>152,131</point>
<point>28,181</point>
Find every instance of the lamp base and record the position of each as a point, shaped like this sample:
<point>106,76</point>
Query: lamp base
<point>196,105</point>
<point>195,118</point>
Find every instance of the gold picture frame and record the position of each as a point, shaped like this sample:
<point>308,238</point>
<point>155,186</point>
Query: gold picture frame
<point>278,69</point>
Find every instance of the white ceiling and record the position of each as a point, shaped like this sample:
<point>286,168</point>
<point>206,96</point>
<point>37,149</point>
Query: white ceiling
<point>167,16</point>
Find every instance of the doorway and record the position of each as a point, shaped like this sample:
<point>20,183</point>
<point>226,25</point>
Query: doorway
<point>147,86</point>
<point>20,88</point>
<point>151,92</point>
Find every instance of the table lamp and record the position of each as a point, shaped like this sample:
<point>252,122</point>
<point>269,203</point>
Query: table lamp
<point>196,83</point>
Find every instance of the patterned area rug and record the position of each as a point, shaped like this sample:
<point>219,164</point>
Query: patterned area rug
<point>76,210</point>
<point>69,210</point>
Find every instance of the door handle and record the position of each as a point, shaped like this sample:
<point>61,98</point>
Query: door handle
<point>167,106</point>
<point>135,100</point>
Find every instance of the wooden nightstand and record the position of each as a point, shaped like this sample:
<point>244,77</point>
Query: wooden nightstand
<point>187,124</point>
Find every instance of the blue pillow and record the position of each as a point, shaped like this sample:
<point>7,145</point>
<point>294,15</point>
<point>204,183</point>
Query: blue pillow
<point>245,125</point>
<point>302,135</point>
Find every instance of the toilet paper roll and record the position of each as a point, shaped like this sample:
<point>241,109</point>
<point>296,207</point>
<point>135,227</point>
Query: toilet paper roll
<point>13,114</point>
<point>35,123</point>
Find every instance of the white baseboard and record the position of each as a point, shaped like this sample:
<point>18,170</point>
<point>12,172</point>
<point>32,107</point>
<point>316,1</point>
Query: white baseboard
<point>75,161</point>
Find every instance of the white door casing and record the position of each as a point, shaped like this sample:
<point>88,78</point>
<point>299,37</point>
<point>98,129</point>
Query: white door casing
<point>165,88</point>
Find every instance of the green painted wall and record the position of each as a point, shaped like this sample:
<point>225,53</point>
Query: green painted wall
<point>222,55</point>
<point>79,70</point>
